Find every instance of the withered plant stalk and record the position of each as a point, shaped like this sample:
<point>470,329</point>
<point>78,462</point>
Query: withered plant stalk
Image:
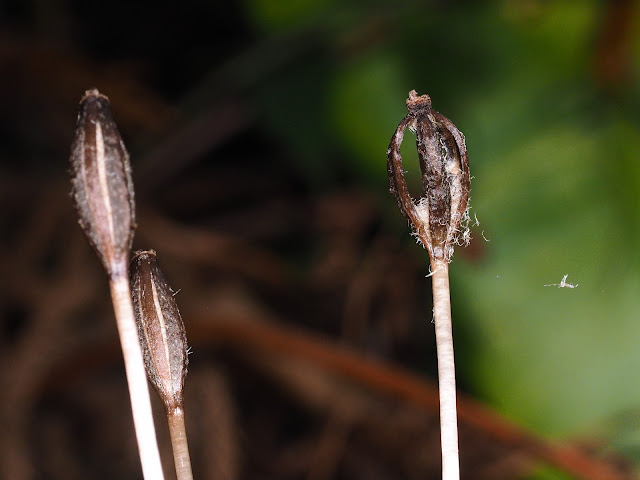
<point>138,390</point>
<point>179,444</point>
<point>104,198</point>
<point>164,346</point>
<point>435,220</point>
<point>446,370</point>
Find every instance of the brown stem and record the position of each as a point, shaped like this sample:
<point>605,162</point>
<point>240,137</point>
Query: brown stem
<point>238,333</point>
<point>179,444</point>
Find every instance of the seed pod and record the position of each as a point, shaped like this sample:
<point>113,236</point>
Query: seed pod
<point>444,164</point>
<point>101,182</point>
<point>160,328</point>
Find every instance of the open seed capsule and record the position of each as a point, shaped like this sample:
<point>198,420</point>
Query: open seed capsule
<point>444,164</point>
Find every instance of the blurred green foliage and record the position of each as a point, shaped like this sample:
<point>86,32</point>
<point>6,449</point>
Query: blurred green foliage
<point>554,153</point>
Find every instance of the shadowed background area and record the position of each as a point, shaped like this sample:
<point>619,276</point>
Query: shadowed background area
<point>257,132</point>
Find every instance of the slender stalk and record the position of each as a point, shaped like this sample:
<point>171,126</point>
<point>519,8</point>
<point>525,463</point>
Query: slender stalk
<point>178,434</point>
<point>136,377</point>
<point>446,370</point>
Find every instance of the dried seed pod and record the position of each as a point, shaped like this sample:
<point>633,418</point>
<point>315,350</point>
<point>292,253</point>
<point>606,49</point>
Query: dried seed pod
<point>102,185</point>
<point>160,328</point>
<point>444,164</point>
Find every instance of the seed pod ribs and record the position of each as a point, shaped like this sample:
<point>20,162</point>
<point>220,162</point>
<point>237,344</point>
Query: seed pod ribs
<point>101,183</point>
<point>444,164</point>
<point>160,328</point>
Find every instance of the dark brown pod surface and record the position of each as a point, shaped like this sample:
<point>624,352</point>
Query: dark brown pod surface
<point>160,327</point>
<point>101,181</point>
<point>442,153</point>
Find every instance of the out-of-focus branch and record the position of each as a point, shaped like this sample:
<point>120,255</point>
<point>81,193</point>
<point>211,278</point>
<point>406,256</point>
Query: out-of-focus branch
<point>390,380</point>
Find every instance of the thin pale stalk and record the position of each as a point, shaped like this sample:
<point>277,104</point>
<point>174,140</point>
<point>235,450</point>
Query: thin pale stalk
<point>178,434</point>
<point>136,378</point>
<point>446,370</point>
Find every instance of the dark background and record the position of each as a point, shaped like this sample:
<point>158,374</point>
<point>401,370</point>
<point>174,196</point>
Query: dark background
<point>257,132</point>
